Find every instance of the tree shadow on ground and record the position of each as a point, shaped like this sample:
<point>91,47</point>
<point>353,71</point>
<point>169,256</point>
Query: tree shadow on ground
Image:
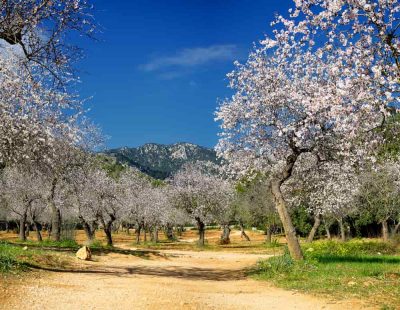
<point>98,251</point>
<point>357,259</point>
<point>190,273</point>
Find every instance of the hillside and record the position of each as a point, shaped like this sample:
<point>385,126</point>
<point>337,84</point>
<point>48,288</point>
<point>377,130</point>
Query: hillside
<point>159,160</point>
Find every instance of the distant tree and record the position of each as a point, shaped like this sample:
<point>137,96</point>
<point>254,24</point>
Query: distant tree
<point>201,194</point>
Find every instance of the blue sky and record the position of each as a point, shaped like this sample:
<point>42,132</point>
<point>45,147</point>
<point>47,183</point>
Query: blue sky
<point>158,68</point>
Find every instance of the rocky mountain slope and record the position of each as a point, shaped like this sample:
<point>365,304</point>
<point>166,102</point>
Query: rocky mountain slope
<point>159,160</point>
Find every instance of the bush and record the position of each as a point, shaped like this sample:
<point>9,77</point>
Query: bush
<point>9,257</point>
<point>350,248</point>
<point>276,265</point>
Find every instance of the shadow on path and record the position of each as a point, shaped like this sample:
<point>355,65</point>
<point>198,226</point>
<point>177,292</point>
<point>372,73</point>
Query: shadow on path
<point>190,273</point>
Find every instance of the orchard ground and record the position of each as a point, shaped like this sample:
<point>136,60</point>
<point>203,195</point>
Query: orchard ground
<point>180,275</point>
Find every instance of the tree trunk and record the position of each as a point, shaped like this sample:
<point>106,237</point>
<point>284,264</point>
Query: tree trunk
<point>169,232</point>
<point>155,235</point>
<point>90,231</point>
<point>290,231</point>
<point>145,234</point>
<point>55,214</point>
<point>342,230</point>
<point>385,230</point>
<point>137,233</point>
<point>7,228</point>
<point>395,229</point>
<point>38,232</point>
<point>328,233</point>
<point>107,231</point>
<point>317,222</point>
<point>225,234</point>
<point>22,227</point>
<point>201,228</point>
<point>243,232</point>
<point>268,237</point>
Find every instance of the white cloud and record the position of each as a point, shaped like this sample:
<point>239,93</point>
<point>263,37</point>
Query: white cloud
<point>191,57</point>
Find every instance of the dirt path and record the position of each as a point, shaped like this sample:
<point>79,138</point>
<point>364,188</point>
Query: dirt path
<point>168,280</point>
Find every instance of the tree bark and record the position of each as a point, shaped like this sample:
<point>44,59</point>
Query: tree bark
<point>38,231</point>
<point>201,228</point>
<point>328,233</point>
<point>169,232</point>
<point>342,230</point>
<point>385,230</point>
<point>290,231</point>
<point>137,233</point>
<point>155,234</point>
<point>55,214</point>
<point>243,232</point>
<point>317,222</point>
<point>268,237</point>
<point>22,227</point>
<point>90,231</point>
<point>395,229</point>
<point>225,234</point>
<point>107,227</point>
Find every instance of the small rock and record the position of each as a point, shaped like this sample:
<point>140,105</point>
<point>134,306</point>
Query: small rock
<point>84,253</point>
<point>25,248</point>
<point>351,283</point>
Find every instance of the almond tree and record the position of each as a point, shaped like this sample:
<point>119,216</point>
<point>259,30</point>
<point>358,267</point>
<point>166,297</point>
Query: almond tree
<point>36,107</point>
<point>38,30</point>
<point>294,96</point>
<point>380,195</point>
<point>201,194</point>
<point>21,189</point>
<point>133,184</point>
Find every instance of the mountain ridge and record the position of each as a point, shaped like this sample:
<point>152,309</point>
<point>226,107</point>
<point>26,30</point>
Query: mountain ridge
<point>162,160</point>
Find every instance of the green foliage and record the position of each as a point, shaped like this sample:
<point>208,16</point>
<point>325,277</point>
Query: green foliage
<point>109,164</point>
<point>353,247</point>
<point>9,257</point>
<point>302,221</point>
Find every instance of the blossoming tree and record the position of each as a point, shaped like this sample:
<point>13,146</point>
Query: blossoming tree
<point>294,96</point>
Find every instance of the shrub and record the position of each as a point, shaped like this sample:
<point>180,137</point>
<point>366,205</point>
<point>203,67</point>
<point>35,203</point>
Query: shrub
<point>9,257</point>
<point>353,247</point>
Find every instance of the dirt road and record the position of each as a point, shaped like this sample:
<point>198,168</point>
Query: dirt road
<point>161,280</point>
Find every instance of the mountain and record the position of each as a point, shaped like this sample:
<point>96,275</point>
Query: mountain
<point>161,161</point>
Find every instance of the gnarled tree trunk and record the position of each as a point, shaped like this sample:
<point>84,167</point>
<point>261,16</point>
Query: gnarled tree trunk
<point>38,231</point>
<point>169,232</point>
<point>55,214</point>
<point>243,232</point>
<point>328,233</point>
<point>317,222</point>
<point>107,227</point>
<point>226,230</point>
<point>385,230</point>
<point>395,229</point>
<point>268,236</point>
<point>201,227</point>
<point>290,231</point>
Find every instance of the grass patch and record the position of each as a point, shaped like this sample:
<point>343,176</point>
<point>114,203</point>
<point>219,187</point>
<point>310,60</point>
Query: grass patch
<point>361,269</point>
<point>15,258</point>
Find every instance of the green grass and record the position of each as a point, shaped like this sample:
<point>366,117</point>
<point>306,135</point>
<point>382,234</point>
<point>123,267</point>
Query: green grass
<point>72,244</point>
<point>342,270</point>
<point>9,258</point>
<point>16,258</point>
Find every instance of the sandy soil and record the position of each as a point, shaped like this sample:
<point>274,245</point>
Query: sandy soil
<point>159,280</point>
